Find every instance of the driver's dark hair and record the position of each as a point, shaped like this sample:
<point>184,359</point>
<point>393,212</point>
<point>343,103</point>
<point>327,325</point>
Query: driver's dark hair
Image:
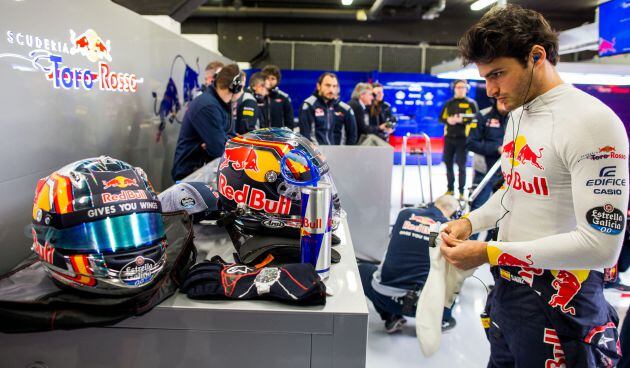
<point>509,31</point>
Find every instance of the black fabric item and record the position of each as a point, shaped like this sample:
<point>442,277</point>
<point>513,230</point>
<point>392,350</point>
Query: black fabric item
<point>284,250</point>
<point>296,283</point>
<point>31,302</point>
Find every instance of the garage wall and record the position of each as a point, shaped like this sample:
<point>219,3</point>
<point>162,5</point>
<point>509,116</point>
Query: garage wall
<point>44,128</point>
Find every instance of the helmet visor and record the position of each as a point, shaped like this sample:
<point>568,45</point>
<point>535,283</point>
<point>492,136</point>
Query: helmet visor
<point>108,235</point>
<point>298,169</point>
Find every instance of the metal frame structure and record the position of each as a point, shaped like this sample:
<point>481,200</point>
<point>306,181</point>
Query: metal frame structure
<point>403,162</point>
<point>338,45</point>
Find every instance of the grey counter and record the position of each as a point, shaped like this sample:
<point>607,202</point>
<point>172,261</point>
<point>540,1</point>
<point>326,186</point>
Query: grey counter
<point>188,333</point>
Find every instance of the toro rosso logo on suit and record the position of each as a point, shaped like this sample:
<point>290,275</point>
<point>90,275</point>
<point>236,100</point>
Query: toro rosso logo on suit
<point>605,152</point>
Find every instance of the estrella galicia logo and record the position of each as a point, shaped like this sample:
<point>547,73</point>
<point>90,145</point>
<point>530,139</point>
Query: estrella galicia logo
<point>138,272</point>
<point>188,202</point>
<point>607,182</point>
<point>606,219</point>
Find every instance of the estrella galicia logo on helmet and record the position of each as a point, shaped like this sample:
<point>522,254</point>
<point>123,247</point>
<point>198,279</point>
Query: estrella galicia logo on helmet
<point>138,272</point>
<point>606,219</point>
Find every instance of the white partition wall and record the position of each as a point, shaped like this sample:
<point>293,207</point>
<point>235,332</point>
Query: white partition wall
<point>363,177</point>
<point>108,61</point>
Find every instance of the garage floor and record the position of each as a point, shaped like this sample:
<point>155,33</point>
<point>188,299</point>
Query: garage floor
<point>463,346</point>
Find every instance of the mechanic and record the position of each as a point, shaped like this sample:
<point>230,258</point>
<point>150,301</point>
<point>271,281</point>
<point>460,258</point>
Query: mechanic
<point>324,118</point>
<point>362,99</point>
<point>279,112</point>
<point>394,285</point>
<point>562,211</point>
<point>486,141</point>
<point>206,124</point>
<point>249,114</point>
<point>210,72</point>
<point>381,114</point>
<point>456,128</point>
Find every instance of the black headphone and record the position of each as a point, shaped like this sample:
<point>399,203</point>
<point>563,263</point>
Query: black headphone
<point>236,85</point>
<point>535,58</point>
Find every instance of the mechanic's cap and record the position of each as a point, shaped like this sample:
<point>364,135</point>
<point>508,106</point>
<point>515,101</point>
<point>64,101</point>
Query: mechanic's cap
<point>196,198</point>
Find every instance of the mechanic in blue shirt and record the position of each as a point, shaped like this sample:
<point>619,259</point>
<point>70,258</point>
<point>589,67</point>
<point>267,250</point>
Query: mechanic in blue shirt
<point>206,124</point>
<point>394,285</point>
<point>324,118</point>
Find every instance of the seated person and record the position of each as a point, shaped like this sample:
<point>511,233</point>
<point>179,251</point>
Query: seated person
<point>405,268</point>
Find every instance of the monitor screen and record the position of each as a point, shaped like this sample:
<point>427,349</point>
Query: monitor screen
<point>614,27</point>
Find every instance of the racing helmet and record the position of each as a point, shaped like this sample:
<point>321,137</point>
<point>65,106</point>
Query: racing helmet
<point>251,184</point>
<point>97,227</point>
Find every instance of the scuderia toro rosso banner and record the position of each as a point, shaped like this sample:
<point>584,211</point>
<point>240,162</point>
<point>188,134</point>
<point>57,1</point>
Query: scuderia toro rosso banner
<point>54,58</point>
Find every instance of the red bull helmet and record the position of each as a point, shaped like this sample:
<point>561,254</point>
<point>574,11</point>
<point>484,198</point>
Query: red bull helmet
<point>97,227</point>
<point>251,183</point>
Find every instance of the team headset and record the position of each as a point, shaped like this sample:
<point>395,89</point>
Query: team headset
<point>235,86</point>
<point>531,77</point>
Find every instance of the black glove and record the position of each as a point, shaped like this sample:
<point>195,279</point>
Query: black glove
<point>295,283</point>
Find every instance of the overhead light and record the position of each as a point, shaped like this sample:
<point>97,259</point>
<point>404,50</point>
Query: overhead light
<point>346,2</point>
<point>574,73</point>
<point>480,4</point>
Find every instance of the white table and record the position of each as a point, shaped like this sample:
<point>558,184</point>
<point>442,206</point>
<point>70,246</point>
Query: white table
<point>182,332</point>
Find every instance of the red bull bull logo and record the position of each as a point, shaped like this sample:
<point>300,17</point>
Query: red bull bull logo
<point>526,274</point>
<point>45,252</point>
<point>521,153</point>
<point>537,186</point>
<point>567,284</point>
<point>124,195</point>
<point>119,182</point>
<point>607,47</point>
<point>551,337</point>
<point>90,45</point>
<point>254,198</point>
<point>241,158</point>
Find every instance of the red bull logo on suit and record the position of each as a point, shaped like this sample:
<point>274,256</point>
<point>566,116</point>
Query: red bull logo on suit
<point>521,154</point>
<point>567,284</point>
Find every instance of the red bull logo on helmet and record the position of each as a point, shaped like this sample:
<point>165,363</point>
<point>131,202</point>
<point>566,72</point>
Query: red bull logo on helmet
<point>119,182</point>
<point>241,158</point>
<point>254,198</point>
